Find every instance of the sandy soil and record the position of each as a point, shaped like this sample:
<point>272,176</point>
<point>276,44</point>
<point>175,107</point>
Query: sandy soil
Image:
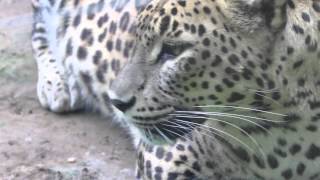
<point>36,144</point>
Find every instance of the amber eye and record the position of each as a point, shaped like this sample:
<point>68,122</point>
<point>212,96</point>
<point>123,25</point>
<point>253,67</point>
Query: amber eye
<point>170,51</point>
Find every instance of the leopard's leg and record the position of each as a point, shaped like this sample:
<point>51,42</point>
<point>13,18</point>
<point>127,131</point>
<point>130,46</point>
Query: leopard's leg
<point>56,90</point>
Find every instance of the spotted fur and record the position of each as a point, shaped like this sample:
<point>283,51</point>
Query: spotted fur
<point>211,89</point>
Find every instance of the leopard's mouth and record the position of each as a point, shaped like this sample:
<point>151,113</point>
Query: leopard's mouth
<point>167,128</point>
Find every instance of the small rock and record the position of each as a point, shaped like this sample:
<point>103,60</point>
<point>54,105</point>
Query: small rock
<point>126,171</point>
<point>107,139</point>
<point>28,139</point>
<point>85,170</point>
<point>92,148</point>
<point>44,142</point>
<point>40,167</point>
<point>6,155</point>
<point>72,160</point>
<point>24,169</point>
<point>11,143</point>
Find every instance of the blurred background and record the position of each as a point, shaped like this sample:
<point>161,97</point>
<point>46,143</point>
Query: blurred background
<point>36,144</point>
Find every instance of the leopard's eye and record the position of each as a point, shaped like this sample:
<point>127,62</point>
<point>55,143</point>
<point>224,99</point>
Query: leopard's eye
<point>170,51</point>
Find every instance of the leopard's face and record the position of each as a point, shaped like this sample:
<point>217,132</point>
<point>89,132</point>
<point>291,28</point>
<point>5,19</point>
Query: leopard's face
<point>192,58</point>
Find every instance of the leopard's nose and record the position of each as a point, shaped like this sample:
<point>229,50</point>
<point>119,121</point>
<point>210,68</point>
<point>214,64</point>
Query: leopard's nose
<point>123,105</point>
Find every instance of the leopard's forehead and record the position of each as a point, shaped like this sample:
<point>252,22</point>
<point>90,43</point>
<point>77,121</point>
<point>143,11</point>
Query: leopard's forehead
<point>170,19</point>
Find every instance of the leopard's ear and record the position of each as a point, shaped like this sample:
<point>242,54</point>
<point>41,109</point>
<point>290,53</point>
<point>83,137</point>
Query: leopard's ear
<point>258,13</point>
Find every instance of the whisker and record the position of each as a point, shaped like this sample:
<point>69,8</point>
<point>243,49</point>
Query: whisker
<point>175,125</point>
<point>231,114</point>
<point>144,122</point>
<point>179,135</point>
<point>247,120</point>
<point>238,107</point>
<point>251,122</point>
<point>264,90</point>
<point>163,135</point>
<point>196,126</point>
<point>205,128</point>
<point>189,128</point>
<point>149,132</point>
<point>195,130</point>
<point>269,98</point>
<point>236,127</point>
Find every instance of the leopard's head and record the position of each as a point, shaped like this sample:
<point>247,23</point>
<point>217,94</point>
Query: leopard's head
<point>194,60</point>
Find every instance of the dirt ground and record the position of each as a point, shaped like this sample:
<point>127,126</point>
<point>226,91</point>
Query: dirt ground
<point>36,144</point>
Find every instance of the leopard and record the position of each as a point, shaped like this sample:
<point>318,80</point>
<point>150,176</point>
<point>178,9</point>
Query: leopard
<point>207,89</point>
